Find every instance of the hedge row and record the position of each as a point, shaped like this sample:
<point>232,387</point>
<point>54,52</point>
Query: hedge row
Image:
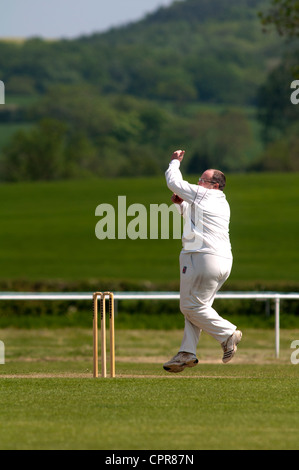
<point>59,308</point>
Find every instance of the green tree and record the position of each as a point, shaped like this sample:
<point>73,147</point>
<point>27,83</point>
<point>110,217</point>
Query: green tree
<point>284,15</point>
<point>37,154</point>
<point>219,141</point>
<point>275,111</point>
<point>283,153</point>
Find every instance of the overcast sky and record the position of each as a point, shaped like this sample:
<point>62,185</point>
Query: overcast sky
<point>69,18</point>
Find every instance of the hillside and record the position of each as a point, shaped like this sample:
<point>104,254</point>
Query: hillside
<point>203,50</point>
<point>117,103</point>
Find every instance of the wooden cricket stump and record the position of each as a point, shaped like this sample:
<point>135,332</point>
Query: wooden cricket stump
<point>102,296</point>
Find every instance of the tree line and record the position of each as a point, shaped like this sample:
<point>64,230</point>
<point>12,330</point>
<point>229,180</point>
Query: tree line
<point>86,134</point>
<point>116,104</point>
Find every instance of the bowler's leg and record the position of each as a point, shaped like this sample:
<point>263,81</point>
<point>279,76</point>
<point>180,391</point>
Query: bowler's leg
<point>191,331</point>
<point>198,290</point>
<point>190,338</point>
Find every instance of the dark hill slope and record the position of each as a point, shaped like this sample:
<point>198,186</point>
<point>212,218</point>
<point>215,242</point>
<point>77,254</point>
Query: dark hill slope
<point>207,50</point>
<point>211,51</point>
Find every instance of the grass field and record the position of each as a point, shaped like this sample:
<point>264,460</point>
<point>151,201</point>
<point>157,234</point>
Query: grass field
<point>49,399</point>
<point>48,230</point>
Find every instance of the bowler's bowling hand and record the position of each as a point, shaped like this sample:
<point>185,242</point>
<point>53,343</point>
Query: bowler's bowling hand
<point>178,155</point>
<point>176,199</point>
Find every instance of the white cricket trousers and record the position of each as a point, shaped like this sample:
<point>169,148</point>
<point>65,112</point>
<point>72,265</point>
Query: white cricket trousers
<point>202,275</point>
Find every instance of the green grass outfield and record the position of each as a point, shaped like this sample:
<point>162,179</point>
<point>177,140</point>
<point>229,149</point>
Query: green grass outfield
<point>48,230</point>
<point>49,399</point>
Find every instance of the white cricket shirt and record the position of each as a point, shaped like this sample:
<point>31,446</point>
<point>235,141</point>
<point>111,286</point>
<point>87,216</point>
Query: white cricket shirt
<point>206,213</point>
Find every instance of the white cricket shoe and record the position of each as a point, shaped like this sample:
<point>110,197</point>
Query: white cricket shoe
<point>180,361</point>
<point>230,346</point>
